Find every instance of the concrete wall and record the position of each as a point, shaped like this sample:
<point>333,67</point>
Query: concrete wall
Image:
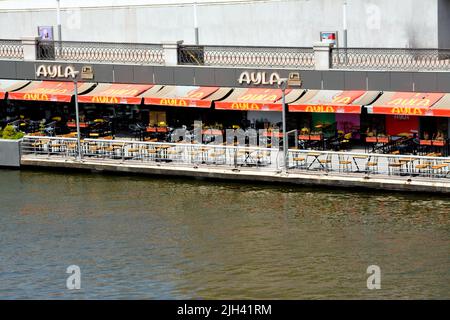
<point>444,23</point>
<point>9,153</point>
<point>373,23</point>
<point>228,77</point>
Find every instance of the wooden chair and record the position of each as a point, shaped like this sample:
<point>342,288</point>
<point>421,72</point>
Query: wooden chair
<point>345,165</point>
<point>299,161</point>
<point>394,166</point>
<point>326,163</point>
<point>423,168</point>
<point>372,166</point>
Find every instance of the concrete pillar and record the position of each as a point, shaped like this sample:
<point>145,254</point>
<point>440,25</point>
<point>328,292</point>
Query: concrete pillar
<point>171,52</point>
<point>30,45</point>
<point>322,55</point>
<point>9,153</point>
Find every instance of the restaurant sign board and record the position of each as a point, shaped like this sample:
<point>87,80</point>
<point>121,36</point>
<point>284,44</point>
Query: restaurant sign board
<point>56,71</point>
<point>258,78</point>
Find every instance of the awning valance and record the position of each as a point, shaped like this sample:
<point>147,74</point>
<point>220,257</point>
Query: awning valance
<point>116,93</point>
<point>49,91</point>
<point>257,99</point>
<point>405,103</point>
<point>11,85</point>
<point>442,107</point>
<point>333,101</point>
<point>185,96</point>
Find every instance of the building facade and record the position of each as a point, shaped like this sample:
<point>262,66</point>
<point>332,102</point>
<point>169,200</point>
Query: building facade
<point>296,23</point>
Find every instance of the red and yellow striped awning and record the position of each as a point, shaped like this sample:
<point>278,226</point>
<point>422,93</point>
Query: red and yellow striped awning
<point>49,91</point>
<point>116,93</point>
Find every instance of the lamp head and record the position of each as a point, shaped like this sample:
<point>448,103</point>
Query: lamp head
<point>283,83</point>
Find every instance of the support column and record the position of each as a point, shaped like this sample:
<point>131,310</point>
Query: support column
<point>322,56</point>
<point>171,52</point>
<point>30,45</point>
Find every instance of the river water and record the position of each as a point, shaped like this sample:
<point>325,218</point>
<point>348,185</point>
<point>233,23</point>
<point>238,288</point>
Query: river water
<point>153,238</point>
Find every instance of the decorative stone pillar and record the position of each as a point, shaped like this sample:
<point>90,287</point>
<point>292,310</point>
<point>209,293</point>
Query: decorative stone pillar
<point>171,52</point>
<point>322,56</point>
<point>30,45</point>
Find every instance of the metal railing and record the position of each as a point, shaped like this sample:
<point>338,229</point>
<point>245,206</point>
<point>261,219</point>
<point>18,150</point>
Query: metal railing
<point>366,164</point>
<point>390,59</point>
<point>11,49</point>
<point>402,59</point>
<point>231,157</point>
<point>152,152</point>
<point>242,56</point>
<point>101,52</point>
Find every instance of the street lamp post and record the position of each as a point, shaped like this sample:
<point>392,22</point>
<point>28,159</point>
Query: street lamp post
<point>344,23</point>
<point>195,23</point>
<point>282,84</point>
<point>77,115</point>
<point>58,19</point>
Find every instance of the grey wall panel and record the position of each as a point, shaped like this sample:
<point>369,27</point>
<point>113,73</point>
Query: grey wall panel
<point>123,74</point>
<point>184,76</point>
<point>143,74</point>
<point>26,70</point>
<point>103,73</point>
<point>7,70</point>
<point>401,81</point>
<point>355,80</point>
<point>204,77</point>
<point>164,75</point>
<point>333,80</point>
<point>379,81</point>
<point>226,77</point>
<point>311,79</point>
<point>425,82</point>
<point>443,81</point>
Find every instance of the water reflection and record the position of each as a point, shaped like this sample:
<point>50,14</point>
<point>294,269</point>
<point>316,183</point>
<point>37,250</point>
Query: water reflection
<point>140,237</point>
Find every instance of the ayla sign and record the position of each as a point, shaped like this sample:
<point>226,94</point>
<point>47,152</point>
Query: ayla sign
<point>259,78</point>
<point>56,71</point>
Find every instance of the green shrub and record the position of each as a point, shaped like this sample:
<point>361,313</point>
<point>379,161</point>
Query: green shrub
<point>10,133</point>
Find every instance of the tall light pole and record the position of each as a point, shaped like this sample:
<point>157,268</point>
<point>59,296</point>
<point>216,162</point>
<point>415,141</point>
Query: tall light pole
<point>77,115</point>
<point>344,23</point>
<point>282,84</point>
<point>195,23</point>
<point>58,19</point>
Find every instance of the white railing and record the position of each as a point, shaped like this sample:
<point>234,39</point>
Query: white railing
<point>369,163</point>
<point>269,159</point>
<point>152,152</point>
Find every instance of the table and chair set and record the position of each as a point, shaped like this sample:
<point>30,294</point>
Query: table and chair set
<point>157,152</point>
<point>431,165</point>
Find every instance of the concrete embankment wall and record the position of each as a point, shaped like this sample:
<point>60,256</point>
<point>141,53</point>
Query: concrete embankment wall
<point>9,153</point>
<point>324,180</point>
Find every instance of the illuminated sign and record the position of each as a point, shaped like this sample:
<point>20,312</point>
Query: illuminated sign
<point>258,78</point>
<point>56,71</point>
<point>328,37</point>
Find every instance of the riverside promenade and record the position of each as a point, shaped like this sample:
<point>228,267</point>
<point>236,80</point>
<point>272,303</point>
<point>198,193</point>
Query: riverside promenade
<point>252,164</point>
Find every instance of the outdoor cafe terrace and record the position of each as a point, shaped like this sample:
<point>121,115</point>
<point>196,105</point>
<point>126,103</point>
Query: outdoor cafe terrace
<point>373,121</point>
